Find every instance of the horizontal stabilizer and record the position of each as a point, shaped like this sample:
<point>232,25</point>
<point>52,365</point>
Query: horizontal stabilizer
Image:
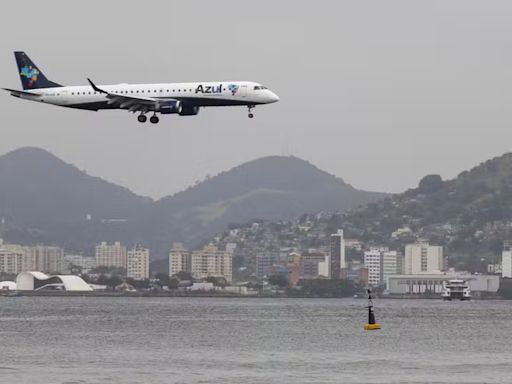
<point>16,92</point>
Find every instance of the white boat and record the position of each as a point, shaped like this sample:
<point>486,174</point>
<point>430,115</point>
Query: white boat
<point>456,289</point>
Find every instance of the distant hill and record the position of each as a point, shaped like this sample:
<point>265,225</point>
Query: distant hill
<point>275,188</point>
<point>37,188</point>
<point>45,200</point>
<point>471,214</point>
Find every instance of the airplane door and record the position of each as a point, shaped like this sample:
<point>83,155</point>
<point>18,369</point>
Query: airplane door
<point>63,97</point>
<point>243,90</point>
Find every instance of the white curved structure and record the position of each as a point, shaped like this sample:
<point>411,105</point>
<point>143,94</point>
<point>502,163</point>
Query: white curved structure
<point>8,285</point>
<point>35,281</point>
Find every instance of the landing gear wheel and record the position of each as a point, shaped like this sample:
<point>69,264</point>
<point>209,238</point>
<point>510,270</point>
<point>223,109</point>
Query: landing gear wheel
<point>249,108</point>
<point>142,118</point>
<point>154,119</point>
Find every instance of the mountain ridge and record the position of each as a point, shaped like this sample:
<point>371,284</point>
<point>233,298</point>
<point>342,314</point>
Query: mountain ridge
<point>44,199</point>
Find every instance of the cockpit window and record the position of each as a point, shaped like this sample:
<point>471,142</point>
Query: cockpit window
<point>259,87</point>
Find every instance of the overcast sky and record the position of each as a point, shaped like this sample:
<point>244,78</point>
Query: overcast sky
<point>379,93</point>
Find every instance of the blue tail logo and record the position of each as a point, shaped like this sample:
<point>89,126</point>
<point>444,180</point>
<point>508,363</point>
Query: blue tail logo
<point>30,73</point>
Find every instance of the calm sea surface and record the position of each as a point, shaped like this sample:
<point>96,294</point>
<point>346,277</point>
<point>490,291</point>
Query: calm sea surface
<point>216,340</point>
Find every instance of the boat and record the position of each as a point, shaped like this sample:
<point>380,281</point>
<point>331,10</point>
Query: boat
<point>456,289</point>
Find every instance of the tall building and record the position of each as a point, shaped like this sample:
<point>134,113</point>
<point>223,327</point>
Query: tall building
<point>43,259</point>
<point>10,262</point>
<point>210,261</point>
<point>506,264</point>
<point>313,265</point>
<point>294,269</point>
<point>423,258</point>
<point>111,255</point>
<point>337,254</point>
<point>138,263</point>
<point>179,259</point>
<point>264,264</point>
<point>381,263</point>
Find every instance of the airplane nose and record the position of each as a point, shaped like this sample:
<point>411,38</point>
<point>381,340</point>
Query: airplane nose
<point>273,97</point>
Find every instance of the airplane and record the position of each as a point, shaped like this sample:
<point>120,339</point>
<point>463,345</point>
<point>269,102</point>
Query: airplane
<point>183,99</point>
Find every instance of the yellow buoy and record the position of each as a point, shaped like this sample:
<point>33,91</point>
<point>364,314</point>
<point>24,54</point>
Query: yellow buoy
<point>371,325</point>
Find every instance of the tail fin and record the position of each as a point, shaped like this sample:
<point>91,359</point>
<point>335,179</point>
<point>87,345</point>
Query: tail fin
<point>31,77</point>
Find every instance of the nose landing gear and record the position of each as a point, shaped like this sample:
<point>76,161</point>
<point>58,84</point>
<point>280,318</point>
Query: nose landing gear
<point>250,108</point>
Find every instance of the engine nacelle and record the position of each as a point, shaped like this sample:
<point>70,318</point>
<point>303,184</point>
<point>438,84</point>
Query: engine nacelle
<point>170,107</point>
<point>189,110</point>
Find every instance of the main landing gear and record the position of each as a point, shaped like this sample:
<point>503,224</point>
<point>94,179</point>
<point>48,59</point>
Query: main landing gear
<point>142,118</point>
<point>250,108</point>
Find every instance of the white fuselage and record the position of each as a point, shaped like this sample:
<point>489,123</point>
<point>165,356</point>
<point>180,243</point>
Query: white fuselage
<point>200,94</point>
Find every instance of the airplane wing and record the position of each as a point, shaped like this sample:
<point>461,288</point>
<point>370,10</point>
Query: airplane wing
<point>18,93</point>
<point>132,103</point>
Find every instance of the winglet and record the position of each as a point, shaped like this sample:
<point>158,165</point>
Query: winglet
<point>95,87</point>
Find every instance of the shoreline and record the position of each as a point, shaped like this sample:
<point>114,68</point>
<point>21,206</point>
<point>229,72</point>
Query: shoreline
<point>214,295</point>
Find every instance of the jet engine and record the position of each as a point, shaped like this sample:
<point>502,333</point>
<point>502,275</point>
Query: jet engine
<point>170,107</point>
<point>189,110</point>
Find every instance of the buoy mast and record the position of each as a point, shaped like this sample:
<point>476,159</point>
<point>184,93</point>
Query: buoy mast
<point>371,325</point>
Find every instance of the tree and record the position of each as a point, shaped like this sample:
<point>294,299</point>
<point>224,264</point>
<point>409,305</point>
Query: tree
<point>182,275</point>
<point>430,184</point>
<point>113,282</point>
<point>217,281</point>
<point>279,280</point>
<point>173,283</point>
<point>163,278</point>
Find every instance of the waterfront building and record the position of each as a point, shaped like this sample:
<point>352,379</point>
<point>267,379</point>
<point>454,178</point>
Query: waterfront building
<point>179,259</point>
<point>294,269</point>
<point>138,263</point>
<point>113,255</point>
<point>10,262</point>
<point>37,281</point>
<point>381,263</point>
<point>506,263</point>
<point>211,261</point>
<point>264,264</point>
<point>313,265</point>
<point>337,254</point>
<point>43,258</point>
<point>356,271</point>
<point>423,258</point>
<point>432,284</point>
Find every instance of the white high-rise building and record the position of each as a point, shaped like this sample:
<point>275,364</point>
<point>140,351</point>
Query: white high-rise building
<point>337,255</point>
<point>381,263</point>
<point>138,263</point>
<point>210,261</point>
<point>423,258</point>
<point>43,259</point>
<point>111,255</point>
<point>506,264</point>
<point>179,259</point>
<point>10,262</point>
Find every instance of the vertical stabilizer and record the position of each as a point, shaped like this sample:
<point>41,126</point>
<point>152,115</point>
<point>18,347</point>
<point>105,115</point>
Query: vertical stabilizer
<point>31,76</point>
